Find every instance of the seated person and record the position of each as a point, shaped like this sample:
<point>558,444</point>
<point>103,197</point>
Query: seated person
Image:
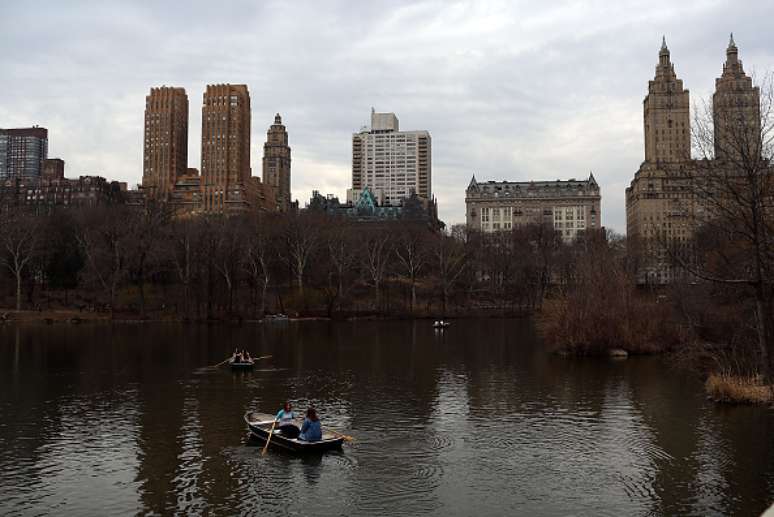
<point>285,423</point>
<point>311,430</point>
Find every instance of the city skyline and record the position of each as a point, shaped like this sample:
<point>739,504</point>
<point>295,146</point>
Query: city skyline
<point>508,93</point>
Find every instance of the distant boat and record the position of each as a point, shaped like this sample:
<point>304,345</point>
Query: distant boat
<point>260,424</point>
<point>276,317</point>
<point>441,324</point>
<point>241,365</point>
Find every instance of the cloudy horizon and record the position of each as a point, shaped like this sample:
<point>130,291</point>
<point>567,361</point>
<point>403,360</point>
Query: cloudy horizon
<point>508,91</point>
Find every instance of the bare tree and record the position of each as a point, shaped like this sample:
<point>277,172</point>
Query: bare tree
<point>375,254</point>
<point>103,237</point>
<point>300,241</point>
<point>733,192</point>
<point>341,259</point>
<point>460,232</point>
<point>144,245</point>
<point>206,249</point>
<point>450,261</point>
<point>181,250</point>
<point>597,277</point>
<point>228,252</point>
<point>256,261</point>
<point>545,244</point>
<point>19,234</point>
<point>411,253</point>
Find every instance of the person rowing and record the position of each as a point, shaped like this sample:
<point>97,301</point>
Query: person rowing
<point>311,430</point>
<point>285,421</point>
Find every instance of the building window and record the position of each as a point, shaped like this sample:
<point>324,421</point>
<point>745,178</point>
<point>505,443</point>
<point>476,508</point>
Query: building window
<point>485,219</point>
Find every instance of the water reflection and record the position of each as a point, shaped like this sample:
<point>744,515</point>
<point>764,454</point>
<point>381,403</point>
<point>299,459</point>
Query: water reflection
<point>473,420</point>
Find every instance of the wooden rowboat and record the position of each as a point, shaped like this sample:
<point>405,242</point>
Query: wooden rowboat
<point>260,425</point>
<point>241,365</point>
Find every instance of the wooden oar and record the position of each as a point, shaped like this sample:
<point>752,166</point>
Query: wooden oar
<point>222,362</point>
<point>346,437</point>
<point>265,447</point>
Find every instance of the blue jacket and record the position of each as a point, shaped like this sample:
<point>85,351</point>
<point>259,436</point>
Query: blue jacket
<point>311,431</point>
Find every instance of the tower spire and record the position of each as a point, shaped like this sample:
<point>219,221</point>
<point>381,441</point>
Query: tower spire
<point>663,54</point>
<point>666,113</point>
<point>732,56</point>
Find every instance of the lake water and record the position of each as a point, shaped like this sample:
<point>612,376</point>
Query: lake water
<point>476,420</point>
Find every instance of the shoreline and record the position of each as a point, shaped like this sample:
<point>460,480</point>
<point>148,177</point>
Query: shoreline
<point>75,317</point>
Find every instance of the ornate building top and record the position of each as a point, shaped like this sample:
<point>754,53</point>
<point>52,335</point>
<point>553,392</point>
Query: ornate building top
<point>736,109</point>
<point>733,76</point>
<point>666,113</point>
<point>558,188</point>
<point>276,163</point>
<point>665,70</point>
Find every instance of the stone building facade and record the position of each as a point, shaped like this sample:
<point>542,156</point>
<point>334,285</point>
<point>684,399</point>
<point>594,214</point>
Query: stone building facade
<point>53,168</point>
<point>276,163</point>
<point>663,209</point>
<point>393,164</point>
<point>569,206</point>
<point>736,106</point>
<point>165,156</point>
<point>225,172</point>
<point>52,190</point>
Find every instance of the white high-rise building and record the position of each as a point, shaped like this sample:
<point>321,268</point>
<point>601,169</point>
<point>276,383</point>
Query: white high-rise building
<point>393,164</point>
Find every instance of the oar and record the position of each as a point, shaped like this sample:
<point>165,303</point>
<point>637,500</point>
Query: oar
<point>263,452</point>
<point>346,437</point>
<point>222,362</point>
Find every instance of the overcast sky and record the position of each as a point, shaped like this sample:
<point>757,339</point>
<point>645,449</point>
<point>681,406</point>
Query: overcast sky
<point>508,90</point>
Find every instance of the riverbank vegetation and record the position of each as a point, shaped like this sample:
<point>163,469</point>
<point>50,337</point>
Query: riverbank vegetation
<point>723,387</point>
<point>127,262</point>
<point>598,306</point>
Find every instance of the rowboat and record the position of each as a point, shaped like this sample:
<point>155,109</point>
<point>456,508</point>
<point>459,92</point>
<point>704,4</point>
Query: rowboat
<point>441,324</point>
<point>241,365</point>
<point>260,425</point>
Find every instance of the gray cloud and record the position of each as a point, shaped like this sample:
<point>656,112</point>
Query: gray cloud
<point>523,90</point>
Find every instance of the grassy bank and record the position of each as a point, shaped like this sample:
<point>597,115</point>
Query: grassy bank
<point>722,387</point>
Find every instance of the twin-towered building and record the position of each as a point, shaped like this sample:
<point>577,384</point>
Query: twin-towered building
<point>226,183</point>
<point>663,208</point>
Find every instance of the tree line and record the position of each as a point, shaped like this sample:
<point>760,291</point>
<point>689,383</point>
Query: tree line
<point>144,262</point>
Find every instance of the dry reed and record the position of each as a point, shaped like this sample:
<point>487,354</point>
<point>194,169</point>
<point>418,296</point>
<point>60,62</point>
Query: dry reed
<point>723,387</point>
